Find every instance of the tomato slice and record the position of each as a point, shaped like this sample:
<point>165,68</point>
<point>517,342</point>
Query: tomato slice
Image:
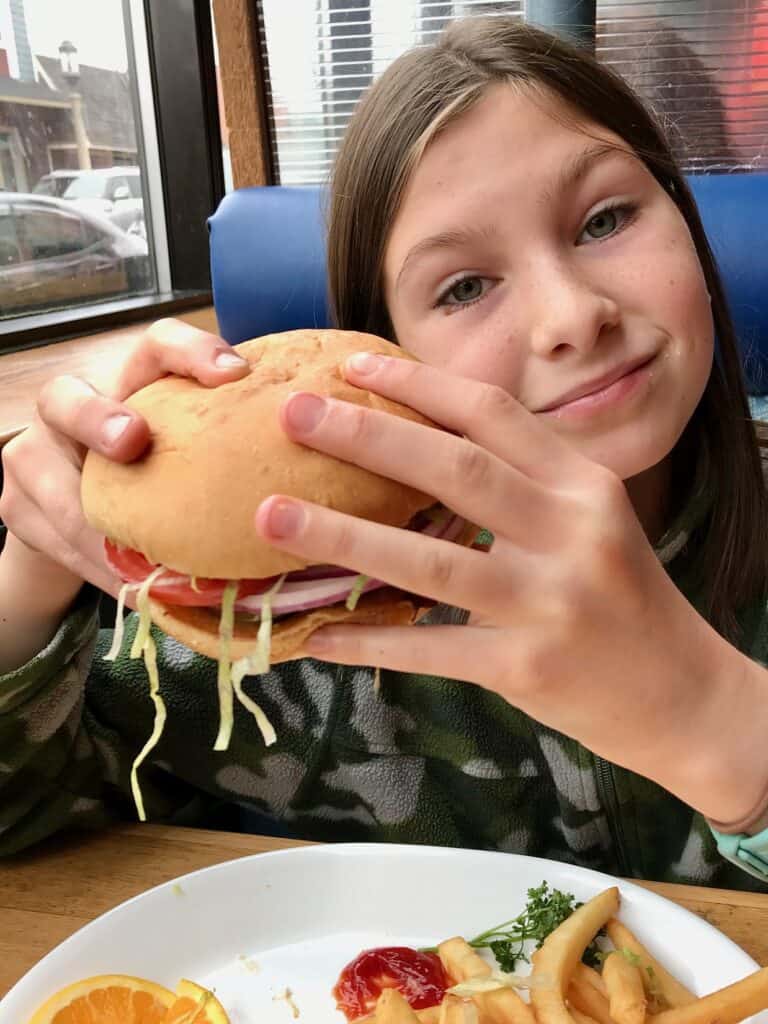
<point>418,976</point>
<point>176,587</point>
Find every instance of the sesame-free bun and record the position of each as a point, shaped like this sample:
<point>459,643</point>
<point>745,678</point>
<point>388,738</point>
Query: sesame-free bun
<point>216,453</point>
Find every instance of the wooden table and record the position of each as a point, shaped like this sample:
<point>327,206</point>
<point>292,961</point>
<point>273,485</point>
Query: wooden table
<point>23,374</point>
<point>47,894</point>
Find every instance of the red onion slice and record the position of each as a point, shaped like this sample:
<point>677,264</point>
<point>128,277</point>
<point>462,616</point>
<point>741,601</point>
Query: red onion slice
<point>298,597</point>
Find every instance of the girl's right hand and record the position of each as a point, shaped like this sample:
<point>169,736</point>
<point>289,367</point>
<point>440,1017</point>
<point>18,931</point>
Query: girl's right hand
<point>40,503</point>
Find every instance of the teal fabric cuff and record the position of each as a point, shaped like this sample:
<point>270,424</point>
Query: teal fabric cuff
<point>750,853</point>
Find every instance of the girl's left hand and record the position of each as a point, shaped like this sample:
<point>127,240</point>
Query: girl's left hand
<point>573,619</point>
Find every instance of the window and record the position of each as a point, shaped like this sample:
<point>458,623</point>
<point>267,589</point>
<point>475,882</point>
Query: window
<point>322,55</point>
<point>106,117</point>
<point>703,67</point>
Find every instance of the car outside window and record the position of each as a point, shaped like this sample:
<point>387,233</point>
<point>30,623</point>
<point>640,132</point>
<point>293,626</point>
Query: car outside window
<point>118,182</point>
<point>47,234</point>
<point>86,186</point>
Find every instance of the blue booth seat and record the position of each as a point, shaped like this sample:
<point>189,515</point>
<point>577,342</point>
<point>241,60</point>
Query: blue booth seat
<point>268,260</point>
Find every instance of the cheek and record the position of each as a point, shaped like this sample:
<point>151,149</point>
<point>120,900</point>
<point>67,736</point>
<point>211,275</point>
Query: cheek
<point>469,344</point>
<point>686,312</point>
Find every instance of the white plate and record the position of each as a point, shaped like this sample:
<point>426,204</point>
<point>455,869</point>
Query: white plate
<point>292,919</point>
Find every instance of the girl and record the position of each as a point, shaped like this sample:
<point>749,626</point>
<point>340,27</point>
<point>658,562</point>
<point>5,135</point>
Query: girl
<point>506,210</point>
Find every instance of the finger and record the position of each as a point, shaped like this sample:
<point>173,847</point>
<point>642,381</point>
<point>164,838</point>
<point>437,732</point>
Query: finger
<point>73,408</point>
<point>459,473</point>
<point>422,565</point>
<point>172,346</point>
<point>449,651</point>
<point>53,491</point>
<point>487,414</point>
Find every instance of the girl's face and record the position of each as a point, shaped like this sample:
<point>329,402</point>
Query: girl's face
<point>548,261</point>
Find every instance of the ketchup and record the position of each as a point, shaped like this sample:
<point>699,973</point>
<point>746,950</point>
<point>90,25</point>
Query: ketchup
<point>418,976</point>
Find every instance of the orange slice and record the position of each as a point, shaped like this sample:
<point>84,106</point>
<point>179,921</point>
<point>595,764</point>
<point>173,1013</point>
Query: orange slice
<point>107,999</point>
<point>195,1005</point>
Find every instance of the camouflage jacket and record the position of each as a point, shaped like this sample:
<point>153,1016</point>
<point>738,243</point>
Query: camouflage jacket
<point>425,760</point>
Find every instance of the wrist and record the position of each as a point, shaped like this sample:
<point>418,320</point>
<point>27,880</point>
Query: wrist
<point>22,565</point>
<point>35,594</point>
<point>720,765</point>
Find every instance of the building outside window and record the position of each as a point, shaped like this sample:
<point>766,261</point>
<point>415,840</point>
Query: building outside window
<point>110,163</point>
<point>72,210</point>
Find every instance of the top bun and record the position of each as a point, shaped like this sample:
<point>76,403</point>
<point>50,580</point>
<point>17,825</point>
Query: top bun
<point>216,453</point>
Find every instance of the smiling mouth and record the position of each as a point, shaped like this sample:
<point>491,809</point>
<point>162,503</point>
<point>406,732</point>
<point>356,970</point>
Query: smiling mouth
<point>595,387</point>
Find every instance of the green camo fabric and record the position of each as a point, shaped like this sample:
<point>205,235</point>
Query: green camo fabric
<point>425,760</point>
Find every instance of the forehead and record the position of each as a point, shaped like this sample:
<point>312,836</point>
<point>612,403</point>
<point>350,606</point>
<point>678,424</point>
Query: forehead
<point>514,143</point>
<point>516,121</point>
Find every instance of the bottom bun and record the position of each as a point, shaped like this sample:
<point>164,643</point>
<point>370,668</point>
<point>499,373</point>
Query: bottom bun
<point>198,628</point>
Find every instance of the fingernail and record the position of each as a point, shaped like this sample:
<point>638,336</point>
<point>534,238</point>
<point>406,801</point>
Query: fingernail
<point>284,518</point>
<point>114,427</point>
<point>364,362</point>
<point>305,411</point>
<point>226,360</point>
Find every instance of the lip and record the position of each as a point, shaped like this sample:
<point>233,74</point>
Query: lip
<point>600,384</point>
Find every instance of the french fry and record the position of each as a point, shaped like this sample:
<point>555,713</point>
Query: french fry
<point>393,1008</point>
<point>460,961</point>
<point>590,975</point>
<point>429,1015</point>
<point>454,1010</point>
<point>726,1006</point>
<point>656,980</point>
<point>588,999</point>
<point>579,1017</point>
<point>626,996</point>
<point>554,962</point>
<point>503,1006</point>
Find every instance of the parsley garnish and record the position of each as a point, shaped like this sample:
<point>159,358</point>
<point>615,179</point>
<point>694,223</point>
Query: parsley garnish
<point>545,910</point>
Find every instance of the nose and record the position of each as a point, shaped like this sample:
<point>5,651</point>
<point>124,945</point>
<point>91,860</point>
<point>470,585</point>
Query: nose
<point>568,312</point>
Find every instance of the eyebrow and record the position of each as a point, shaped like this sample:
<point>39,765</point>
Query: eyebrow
<point>578,167</point>
<point>451,239</point>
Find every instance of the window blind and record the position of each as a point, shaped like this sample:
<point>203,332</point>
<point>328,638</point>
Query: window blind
<point>702,65</point>
<point>321,55</point>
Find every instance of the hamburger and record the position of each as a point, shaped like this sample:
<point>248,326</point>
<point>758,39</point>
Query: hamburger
<point>178,522</point>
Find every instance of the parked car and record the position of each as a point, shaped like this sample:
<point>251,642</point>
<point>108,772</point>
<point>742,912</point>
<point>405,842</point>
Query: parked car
<point>113,192</point>
<point>53,254</point>
<point>55,183</point>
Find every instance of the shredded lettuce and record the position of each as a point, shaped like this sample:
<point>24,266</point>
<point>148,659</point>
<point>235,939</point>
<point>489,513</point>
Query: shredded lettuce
<point>230,676</point>
<point>150,660</point>
<point>376,679</point>
<point>265,726</point>
<point>258,662</point>
<point>145,619</point>
<point>193,584</point>
<point>224,677</point>
<point>117,637</point>
<point>356,591</point>
<point>144,644</point>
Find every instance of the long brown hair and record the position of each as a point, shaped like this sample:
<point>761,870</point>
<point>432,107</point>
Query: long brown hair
<point>428,87</point>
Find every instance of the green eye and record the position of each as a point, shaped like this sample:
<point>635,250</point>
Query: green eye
<point>602,224</point>
<point>467,290</point>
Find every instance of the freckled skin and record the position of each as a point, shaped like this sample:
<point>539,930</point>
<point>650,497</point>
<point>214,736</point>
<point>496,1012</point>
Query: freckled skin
<point>559,309</point>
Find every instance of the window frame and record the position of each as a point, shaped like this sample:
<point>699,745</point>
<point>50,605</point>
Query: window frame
<point>185,102</point>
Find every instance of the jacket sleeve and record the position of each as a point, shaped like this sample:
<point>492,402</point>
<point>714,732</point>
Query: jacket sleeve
<point>71,725</point>
<point>50,775</point>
